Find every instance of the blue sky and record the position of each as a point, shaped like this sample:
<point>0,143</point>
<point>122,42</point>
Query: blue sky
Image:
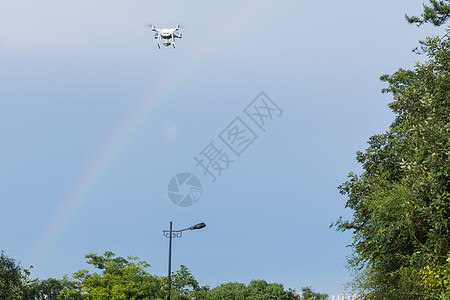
<point>95,120</point>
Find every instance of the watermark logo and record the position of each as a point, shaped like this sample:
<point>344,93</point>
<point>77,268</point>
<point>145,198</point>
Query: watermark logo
<point>262,111</point>
<point>220,154</point>
<point>184,189</point>
<point>238,136</point>
<point>213,161</point>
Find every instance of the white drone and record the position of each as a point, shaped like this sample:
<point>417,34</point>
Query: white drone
<point>167,35</point>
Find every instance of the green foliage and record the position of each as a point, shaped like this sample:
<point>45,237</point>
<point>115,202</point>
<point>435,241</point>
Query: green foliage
<point>256,290</point>
<point>309,294</point>
<point>436,280</point>
<point>183,279</point>
<point>12,278</point>
<point>438,13</point>
<point>401,202</point>
<point>119,279</point>
<point>37,289</point>
<point>127,279</point>
<point>230,290</point>
<point>184,285</point>
<point>122,278</point>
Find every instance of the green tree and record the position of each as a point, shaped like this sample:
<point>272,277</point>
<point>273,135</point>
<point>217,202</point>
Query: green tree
<point>37,289</point>
<point>184,285</point>
<point>437,14</point>
<point>12,278</point>
<point>309,294</point>
<point>229,290</point>
<point>120,278</point>
<point>183,280</point>
<point>256,290</point>
<point>401,201</point>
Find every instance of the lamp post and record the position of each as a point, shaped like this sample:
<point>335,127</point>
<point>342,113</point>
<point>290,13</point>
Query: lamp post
<point>176,234</point>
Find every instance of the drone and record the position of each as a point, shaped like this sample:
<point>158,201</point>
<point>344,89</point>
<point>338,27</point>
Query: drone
<point>167,35</point>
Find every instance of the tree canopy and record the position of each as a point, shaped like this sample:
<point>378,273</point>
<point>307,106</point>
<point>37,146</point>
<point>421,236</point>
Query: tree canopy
<point>120,278</point>
<point>309,294</point>
<point>437,13</point>
<point>48,289</point>
<point>255,290</point>
<point>12,277</point>
<point>401,201</point>
<point>117,278</point>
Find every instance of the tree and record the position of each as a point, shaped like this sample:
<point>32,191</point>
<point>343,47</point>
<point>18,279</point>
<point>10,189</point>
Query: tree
<point>185,286</point>
<point>256,290</point>
<point>48,289</point>
<point>438,13</point>
<point>120,278</point>
<point>12,278</point>
<point>229,290</point>
<point>309,294</point>
<point>401,201</point>
<point>127,279</point>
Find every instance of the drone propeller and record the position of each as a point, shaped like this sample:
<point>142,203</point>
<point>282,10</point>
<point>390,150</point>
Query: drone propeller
<point>182,26</point>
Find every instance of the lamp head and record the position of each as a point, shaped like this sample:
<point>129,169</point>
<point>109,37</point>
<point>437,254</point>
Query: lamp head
<point>198,226</point>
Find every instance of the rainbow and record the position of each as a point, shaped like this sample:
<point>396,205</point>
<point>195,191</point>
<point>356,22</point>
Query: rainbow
<point>119,138</point>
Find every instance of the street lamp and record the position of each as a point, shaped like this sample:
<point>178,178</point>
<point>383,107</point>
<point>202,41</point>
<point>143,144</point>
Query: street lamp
<point>177,234</point>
